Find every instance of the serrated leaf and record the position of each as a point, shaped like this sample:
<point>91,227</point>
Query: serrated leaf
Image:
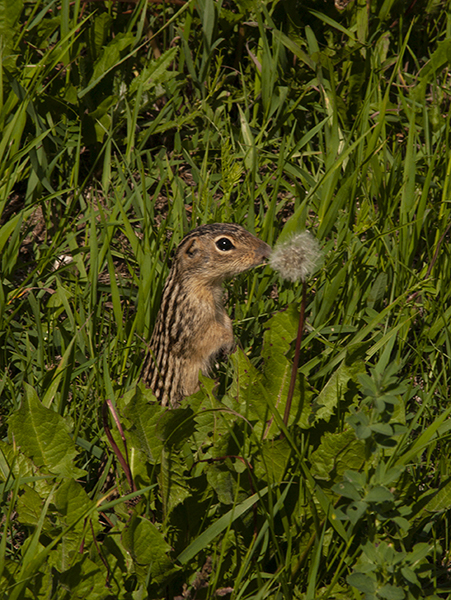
<point>43,435</point>
<point>273,460</point>
<point>441,500</point>
<point>336,453</point>
<point>281,331</point>
<point>29,506</point>
<point>9,14</point>
<point>72,502</point>
<point>244,394</point>
<point>175,427</point>
<point>148,548</point>
<point>222,482</point>
<point>326,402</point>
<point>145,418</point>
<point>173,482</point>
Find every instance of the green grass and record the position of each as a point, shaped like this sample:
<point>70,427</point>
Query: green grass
<point>122,127</point>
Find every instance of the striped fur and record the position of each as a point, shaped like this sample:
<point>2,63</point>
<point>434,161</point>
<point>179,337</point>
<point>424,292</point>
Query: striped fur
<point>192,326</point>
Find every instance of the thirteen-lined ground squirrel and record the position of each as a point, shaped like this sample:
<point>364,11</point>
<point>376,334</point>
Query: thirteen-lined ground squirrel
<point>192,326</point>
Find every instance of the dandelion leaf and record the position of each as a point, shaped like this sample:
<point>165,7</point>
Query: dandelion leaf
<point>441,500</point>
<point>221,480</point>
<point>174,487</point>
<point>148,549</point>
<point>277,369</point>
<point>44,435</point>
<point>336,453</point>
<point>273,460</point>
<point>145,420</point>
<point>335,389</point>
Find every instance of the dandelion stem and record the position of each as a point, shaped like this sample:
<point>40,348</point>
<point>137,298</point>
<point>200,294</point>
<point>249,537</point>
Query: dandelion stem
<point>297,354</point>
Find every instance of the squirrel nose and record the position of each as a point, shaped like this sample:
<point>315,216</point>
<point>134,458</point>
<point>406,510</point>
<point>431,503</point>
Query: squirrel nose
<point>264,250</point>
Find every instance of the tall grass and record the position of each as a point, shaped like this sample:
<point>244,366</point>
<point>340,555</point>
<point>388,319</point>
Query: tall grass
<point>122,127</point>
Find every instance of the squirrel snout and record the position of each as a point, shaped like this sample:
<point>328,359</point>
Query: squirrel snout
<point>264,251</point>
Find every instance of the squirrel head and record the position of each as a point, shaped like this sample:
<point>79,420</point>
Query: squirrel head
<point>219,251</point>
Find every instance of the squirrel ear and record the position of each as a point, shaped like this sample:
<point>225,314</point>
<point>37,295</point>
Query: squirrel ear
<point>191,249</point>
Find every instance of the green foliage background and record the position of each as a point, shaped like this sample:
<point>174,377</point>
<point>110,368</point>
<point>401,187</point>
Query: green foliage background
<point>123,125</point>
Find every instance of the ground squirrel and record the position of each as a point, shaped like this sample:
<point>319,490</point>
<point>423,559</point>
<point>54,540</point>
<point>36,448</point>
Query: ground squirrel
<point>192,326</point>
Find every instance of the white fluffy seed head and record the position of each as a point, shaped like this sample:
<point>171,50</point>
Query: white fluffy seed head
<point>296,258</point>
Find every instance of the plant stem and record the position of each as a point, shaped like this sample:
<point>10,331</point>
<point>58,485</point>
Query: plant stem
<point>297,353</point>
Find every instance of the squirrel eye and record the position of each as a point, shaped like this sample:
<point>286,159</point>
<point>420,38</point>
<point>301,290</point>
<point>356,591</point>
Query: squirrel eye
<point>224,244</point>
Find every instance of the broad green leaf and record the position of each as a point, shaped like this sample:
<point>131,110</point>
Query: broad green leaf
<point>441,500</point>
<point>346,489</point>
<point>273,460</point>
<point>98,33</point>
<point>356,510</point>
<point>10,11</point>
<point>85,578</point>
<point>336,453</point>
<point>410,575</point>
<point>72,501</point>
<point>145,419</point>
<point>174,484</point>
<point>377,290</point>
<point>327,401</point>
<point>281,330</point>
<point>378,493</point>
<point>221,480</point>
<point>382,429</point>
<point>391,592</point>
<point>29,506</point>
<point>244,395</point>
<point>148,549</point>
<point>364,583</point>
<point>111,56</point>
<point>175,427</point>
<point>44,436</point>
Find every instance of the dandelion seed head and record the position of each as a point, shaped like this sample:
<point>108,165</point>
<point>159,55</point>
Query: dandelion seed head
<point>296,258</point>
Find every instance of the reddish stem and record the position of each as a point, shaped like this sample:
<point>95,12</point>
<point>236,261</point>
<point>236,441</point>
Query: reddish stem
<point>297,354</point>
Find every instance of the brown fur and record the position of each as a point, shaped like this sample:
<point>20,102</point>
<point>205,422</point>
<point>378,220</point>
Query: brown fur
<point>192,326</point>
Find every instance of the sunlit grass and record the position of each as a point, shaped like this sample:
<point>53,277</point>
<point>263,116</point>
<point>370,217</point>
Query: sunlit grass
<point>109,155</point>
